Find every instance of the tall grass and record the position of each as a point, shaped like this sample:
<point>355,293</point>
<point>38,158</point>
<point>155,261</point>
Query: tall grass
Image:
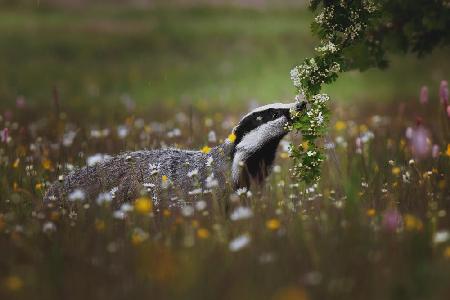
<point>375,227</point>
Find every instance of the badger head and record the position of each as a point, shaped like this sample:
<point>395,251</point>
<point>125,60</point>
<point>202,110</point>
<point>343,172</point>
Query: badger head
<point>257,137</point>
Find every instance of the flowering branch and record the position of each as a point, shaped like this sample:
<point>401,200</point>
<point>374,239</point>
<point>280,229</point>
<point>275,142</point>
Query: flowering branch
<point>340,25</point>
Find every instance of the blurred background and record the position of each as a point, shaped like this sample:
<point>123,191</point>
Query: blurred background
<point>147,52</point>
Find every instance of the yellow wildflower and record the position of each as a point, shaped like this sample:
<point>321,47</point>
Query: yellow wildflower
<point>46,164</point>
<point>39,186</point>
<point>340,125</point>
<point>100,225</point>
<point>448,150</point>
<point>447,252</point>
<point>232,137</point>
<point>412,223</point>
<point>206,149</point>
<point>363,128</point>
<point>138,236</point>
<point>143,205</point>
<point>273,224</point>
<point>13,283</point>
<point>166,213</point>
<point>396,171</point>
<point>16,163</point>
<point>202,233</point>
<point>164,178</point>
<point>305,145</point>
<point>371,212</point>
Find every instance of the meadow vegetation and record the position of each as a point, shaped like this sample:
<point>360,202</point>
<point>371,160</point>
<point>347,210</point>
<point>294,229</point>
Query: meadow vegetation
<point>80,84</point>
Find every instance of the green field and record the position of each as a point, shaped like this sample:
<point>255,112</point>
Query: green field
<point>198,54</point>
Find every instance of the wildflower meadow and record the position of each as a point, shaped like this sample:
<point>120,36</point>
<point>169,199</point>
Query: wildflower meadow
<point>80,84</point>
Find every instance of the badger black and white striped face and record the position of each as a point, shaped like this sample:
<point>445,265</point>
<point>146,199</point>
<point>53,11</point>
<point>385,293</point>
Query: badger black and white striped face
<point>257,137</point>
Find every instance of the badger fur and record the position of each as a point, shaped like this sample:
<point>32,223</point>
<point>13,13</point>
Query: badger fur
<point>172,174</point>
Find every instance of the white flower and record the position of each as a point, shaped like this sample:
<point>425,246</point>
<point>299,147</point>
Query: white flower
<point>187,210</point>
<point>200,205</point>
<point>126,207</point>
<point>211,182</point>
<point>192,173</point>
<point>176,132</point>
<point>441,237</point>
<point>122,131</point>
<point>48,227</point>
<point>212,137</point>
<point>276,169</point>
<point>77,194</point>
<point>239,242</point>
<point>241,213</point>
<point>209,161</point>
<point>104,198</point>
<point>114,191</point>
<point>118,214</point>
<point>311,153</point>
<point>195,191</point>
<point>68,138</point>
<point>406,177</point>
<point>241,191</point>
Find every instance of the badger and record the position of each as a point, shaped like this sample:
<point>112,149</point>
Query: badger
<point>245,158</point>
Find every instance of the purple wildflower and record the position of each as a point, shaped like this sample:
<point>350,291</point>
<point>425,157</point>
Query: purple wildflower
<point>392,219</point>
<point>435,151</point>
<point>4,134</point>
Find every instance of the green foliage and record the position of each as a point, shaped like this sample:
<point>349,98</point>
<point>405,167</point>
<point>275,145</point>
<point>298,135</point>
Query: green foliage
<point>358,34</point>
<point>339,25</point>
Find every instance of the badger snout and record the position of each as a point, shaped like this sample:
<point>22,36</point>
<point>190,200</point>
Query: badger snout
<point>299,106</point>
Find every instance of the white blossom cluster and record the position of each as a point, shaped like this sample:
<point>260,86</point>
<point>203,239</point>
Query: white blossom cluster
<point>327,47</point>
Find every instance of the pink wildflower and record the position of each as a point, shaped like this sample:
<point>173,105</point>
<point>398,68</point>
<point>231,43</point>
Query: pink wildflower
<point>4,134</point>
<point>443,92</point>
<point>20,102</point>
<point>424,95</point>
<point>392,219</point>
<point>435,151</point>
<point>420,141</point>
